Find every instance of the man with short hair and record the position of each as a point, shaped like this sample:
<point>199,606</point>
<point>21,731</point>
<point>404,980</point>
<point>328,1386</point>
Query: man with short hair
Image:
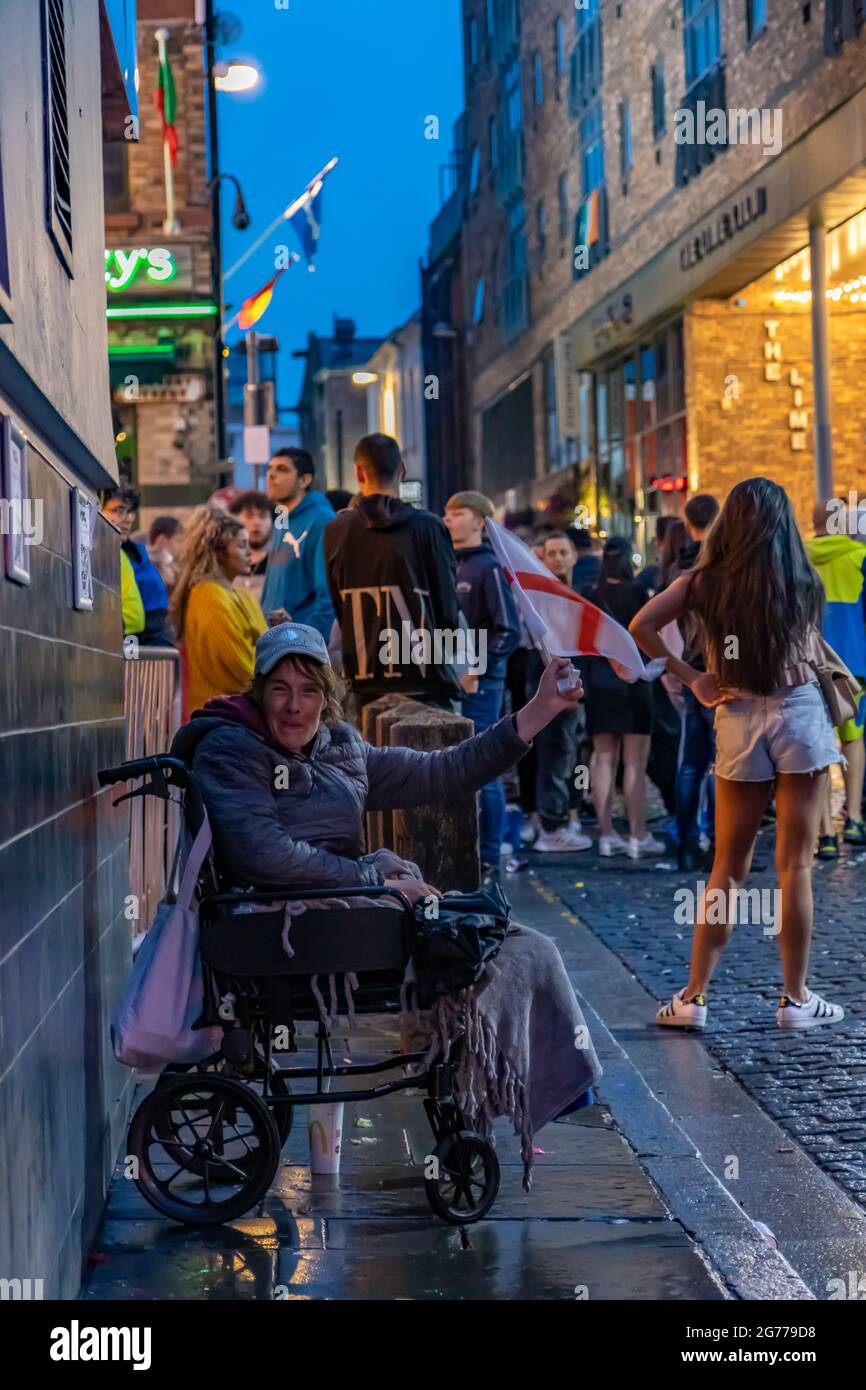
<point>165,548</point>
<point>698,739</point>
<point>587,565</point>
<point>487,606</point>
<point>295,578</point>
<point>391,573</point>
<point>253,509</point>
<point>556,746</point>
<point>119,506</point>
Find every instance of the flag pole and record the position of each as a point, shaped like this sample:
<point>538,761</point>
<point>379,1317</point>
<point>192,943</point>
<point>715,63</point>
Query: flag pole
<point>170,225</point>
<point>283,217</point>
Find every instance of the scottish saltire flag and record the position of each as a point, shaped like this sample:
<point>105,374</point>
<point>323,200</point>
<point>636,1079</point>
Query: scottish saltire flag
<point>305,214</point>
<point>557,618</point>
<point>307,222</point>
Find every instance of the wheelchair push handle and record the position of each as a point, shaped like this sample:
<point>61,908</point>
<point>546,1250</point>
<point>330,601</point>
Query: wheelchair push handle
<point>140,767</point>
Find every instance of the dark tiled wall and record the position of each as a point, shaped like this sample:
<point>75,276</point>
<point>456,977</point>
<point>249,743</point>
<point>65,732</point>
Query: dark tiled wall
<point>64,941</point>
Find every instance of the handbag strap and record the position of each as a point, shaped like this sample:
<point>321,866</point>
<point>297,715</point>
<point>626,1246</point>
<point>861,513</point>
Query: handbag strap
<point>196,857</point>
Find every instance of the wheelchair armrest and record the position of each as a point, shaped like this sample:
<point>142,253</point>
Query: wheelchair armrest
<point>296,894</point>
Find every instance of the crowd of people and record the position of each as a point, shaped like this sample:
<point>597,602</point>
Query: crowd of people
<point>734,602</point>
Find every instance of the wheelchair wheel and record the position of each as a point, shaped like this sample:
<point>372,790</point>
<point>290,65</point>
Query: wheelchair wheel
<point>283,1114</point>
<point>223,1153</point>
<point>467,1178</point>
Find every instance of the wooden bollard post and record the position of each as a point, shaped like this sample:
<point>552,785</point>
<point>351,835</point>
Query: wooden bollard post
<point>370,716</point>
<point>441,839</point>
<point>405,708</point>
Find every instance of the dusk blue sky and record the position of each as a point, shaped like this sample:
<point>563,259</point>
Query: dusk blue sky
<point>354,78</point>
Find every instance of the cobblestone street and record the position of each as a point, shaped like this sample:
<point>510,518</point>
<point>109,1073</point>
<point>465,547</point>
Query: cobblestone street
<point>814,1083</point>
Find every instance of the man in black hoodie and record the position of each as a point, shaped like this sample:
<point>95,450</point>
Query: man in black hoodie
<point>391,575</point>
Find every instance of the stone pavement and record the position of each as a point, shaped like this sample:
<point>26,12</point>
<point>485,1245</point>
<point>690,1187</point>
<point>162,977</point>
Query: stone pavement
<point>813,1084</point>
<point>594,1226</point>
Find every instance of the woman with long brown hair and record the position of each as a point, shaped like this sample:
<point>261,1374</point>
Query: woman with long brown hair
<point>758,605</point>
<point>218,624</point>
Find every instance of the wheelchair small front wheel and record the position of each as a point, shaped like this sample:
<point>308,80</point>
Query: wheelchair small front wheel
<point>223,1152</point>
<point>465,1178</point>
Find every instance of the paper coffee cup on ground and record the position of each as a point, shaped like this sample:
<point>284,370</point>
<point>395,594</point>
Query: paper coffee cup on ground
<point>325,1131</point>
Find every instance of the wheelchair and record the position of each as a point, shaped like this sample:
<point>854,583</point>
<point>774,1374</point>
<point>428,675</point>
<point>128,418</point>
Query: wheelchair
<point>208,1137</point>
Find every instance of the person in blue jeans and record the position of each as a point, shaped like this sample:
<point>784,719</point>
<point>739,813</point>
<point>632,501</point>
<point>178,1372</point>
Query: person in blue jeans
<point>494,630</point>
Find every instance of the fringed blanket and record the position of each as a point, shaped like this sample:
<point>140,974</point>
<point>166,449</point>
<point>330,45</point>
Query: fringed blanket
<point>524,1049</point>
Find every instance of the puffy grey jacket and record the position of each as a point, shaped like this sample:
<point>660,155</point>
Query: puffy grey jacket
<point>282,818</point>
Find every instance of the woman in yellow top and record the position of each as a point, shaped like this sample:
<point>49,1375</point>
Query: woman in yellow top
<point>217,624</point>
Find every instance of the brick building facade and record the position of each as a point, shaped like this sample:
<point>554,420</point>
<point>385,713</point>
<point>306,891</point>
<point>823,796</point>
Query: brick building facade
<point>164,368</point>
<point>618,280</point>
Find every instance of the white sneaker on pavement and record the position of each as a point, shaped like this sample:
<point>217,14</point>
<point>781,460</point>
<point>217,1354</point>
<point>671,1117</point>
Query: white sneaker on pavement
<point>810,1014</point>
<point>560,841</point>
<point>530,829</point>
<point>578,839</point>
<point>683,1013</point>
<point>648,845</point>
<point>609,845</point>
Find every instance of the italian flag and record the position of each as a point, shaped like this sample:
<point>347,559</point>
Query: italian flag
<point>165,100</point>
<point>559,619</point>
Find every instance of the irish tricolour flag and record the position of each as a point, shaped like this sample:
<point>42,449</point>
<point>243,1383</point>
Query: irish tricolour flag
<point>558,619</point>
<point>165,100</point>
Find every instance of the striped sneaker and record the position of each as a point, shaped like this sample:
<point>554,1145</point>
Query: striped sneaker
<point>683,1013</point>
<point>810,1014</point>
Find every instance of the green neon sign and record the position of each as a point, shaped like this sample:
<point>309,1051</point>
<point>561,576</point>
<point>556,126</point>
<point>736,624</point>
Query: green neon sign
<point>164,311</point>
<point>124,267</point>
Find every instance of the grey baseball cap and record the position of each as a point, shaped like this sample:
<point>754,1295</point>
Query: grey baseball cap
<point>289,639</point>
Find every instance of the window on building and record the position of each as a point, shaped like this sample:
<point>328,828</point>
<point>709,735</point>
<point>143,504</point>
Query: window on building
<point>756,18</point>
<point>551,413</point>
<point>563,206</point>
<point>491,17</point>
<point>115,175</point>
<point>541,224</point>
<point>56,115</point>
<point>592,149</point>
<point>475,171</point>
<point>478,306</point>
<point>586,61</point>
<point>513,102</point>
<point>515,317</point>
<point>473,42</point>
<point>658,96</point>
<point>559,47</point>
<point>702,37</point>
<point>626,153</point>
<point>539,80</point>
<point>493,140</point>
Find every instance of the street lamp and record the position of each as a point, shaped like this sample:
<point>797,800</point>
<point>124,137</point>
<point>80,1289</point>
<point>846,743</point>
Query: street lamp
<point>240,215</point>
<point>364,378</point>
<point>235,76</point>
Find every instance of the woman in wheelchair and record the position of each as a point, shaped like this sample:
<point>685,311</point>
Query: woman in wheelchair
<point>286,784</point>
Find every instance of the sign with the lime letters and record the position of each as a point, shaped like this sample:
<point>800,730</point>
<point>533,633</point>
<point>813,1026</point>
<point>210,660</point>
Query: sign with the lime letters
<point>142,270</point>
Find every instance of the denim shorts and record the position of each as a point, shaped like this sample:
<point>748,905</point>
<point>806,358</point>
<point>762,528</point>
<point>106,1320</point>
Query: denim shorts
<point>788,731</point>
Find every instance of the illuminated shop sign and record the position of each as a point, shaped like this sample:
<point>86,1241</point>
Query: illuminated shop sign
<point>140,269</point>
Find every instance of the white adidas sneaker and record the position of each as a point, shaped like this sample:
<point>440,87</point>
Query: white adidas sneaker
<point>810,1014</point>
<point>683,1013</point>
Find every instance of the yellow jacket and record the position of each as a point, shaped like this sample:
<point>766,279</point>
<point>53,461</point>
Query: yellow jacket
<point>130,599</point>
<point>219,638</point>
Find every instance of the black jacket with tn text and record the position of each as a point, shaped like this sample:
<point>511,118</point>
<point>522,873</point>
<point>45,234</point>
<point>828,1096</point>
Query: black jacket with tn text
<point>391,573</point>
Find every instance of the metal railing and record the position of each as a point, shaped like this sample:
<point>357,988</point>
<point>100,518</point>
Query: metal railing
<point>153,715</point>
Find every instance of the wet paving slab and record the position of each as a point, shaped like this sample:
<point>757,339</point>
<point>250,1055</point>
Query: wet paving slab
<point>592,1227</point>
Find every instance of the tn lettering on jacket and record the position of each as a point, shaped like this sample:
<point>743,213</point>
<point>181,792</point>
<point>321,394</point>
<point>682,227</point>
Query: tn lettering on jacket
<point>389,602</point>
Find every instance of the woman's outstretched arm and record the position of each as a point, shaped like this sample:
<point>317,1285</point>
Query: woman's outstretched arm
<point>404,777</point>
